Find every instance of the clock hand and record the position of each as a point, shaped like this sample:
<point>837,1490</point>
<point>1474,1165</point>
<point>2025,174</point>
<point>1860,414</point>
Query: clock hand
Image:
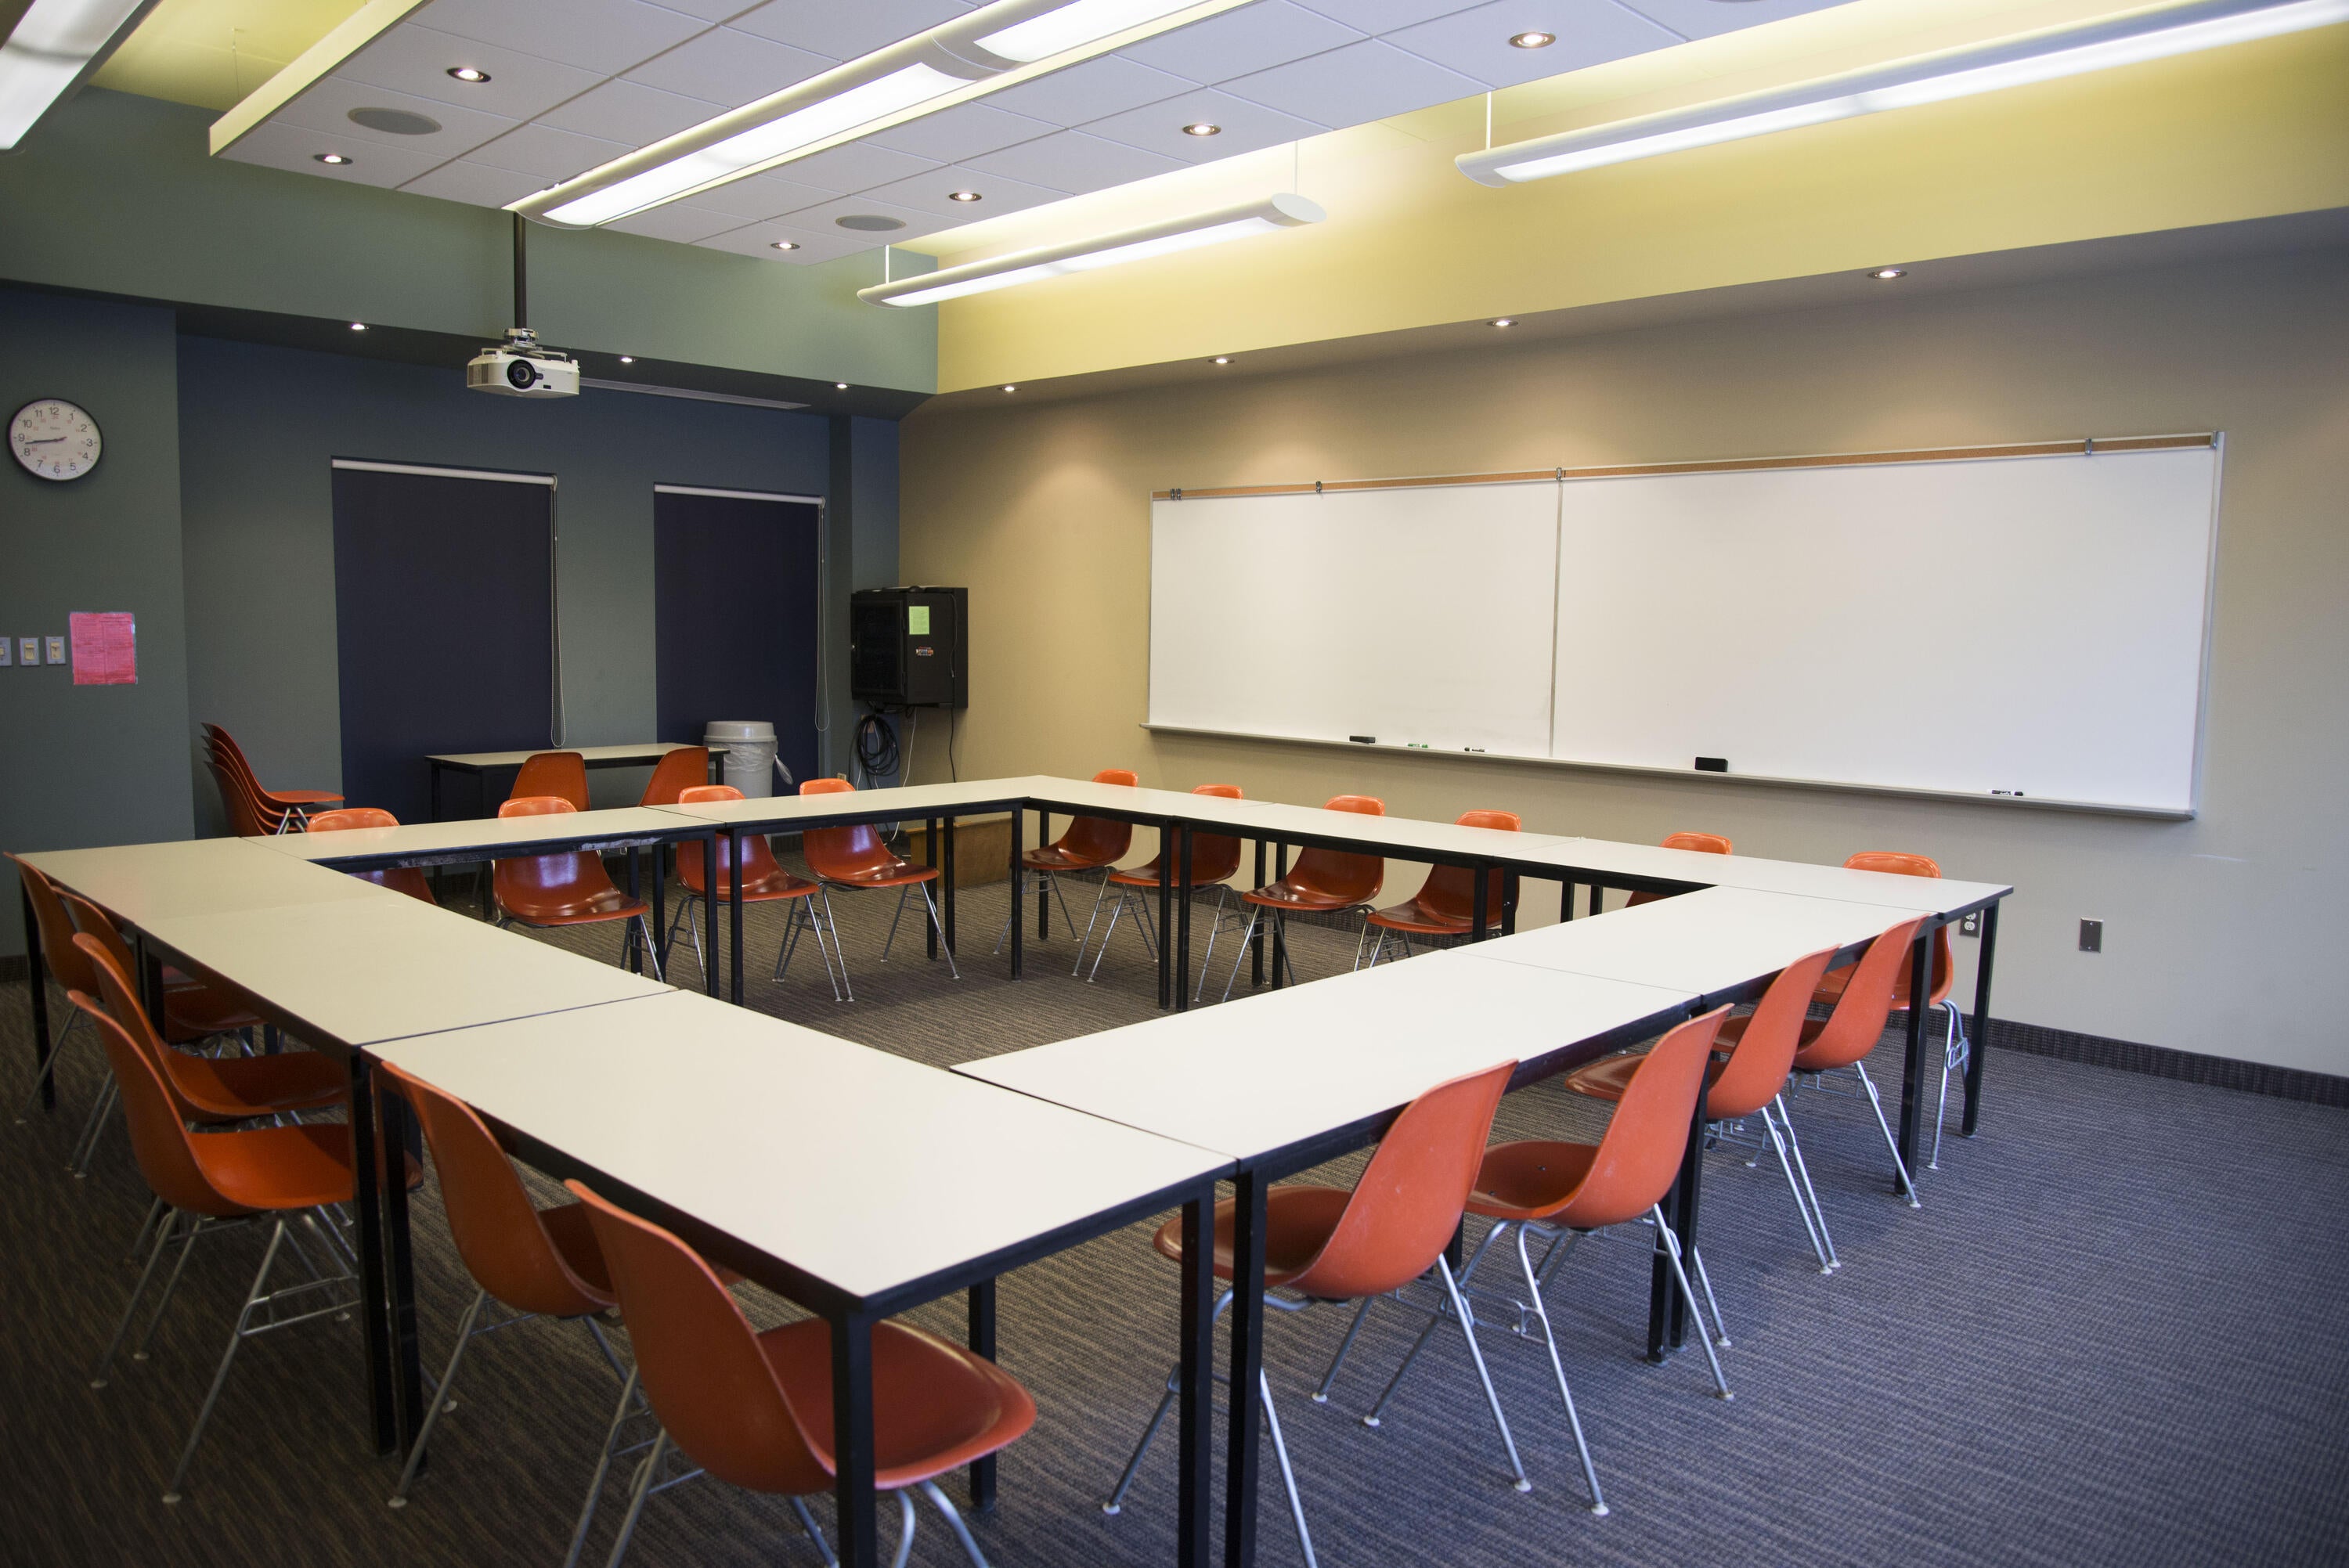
<point>45,441</point>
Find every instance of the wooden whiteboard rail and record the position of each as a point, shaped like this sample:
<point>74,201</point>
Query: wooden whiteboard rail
<point>2087,446</point>
<point>1898,791</point>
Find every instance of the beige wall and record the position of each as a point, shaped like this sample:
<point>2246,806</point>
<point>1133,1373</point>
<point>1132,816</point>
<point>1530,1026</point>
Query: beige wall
<point>2219,933</point>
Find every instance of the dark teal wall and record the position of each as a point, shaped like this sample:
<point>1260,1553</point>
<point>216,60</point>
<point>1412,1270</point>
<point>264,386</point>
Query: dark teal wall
<point>92,765</point>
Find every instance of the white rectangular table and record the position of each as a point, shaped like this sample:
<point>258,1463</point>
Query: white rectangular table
<point>638,754</point>
<point>141,884</point>
<point>855,1182</point>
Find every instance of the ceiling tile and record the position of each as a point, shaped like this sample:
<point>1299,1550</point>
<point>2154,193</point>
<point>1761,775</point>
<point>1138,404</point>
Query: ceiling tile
<point>823,219</point>
<point>1245,127</point>
<point>291,148</point>
<point>1073,162</point>
<point>930,193</point>
<point>964,130</point>
<point>477,183</point>
<point>416,60</point>
<point>760,196</point>
<point>852,166</point>
<point>1705,18</point>
<point>729,68</point>
<point>1386,15</point>
<point>550,154</point>
<point>678,221</point>
<point>1106,85</point>
<point>607,36</point>
<point>844,30</point>
<point>758,240</point>
<point>710,10</point>
<point>1476,42</point>
<point>1352,86</point>
<point>327,105</point>
<point>630,112</point>
<point>1235,43</point>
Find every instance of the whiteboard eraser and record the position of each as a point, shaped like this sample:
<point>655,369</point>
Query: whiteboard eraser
<point>1712,764</point>
<point>1364,739</point>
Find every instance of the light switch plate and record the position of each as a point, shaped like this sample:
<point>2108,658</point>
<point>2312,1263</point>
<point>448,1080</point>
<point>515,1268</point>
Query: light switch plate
<point>29,650</point>
<point>2092,936</point>
<point>57,650</point>
<point>7,652</point>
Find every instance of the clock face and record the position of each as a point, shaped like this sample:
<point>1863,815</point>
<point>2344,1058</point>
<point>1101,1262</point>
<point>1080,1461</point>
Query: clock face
<point>54,440</point>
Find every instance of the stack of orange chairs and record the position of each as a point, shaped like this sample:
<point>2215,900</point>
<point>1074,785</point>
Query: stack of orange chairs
<point>253,811</point>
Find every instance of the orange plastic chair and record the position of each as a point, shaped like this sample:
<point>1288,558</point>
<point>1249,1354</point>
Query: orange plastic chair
<point>756,1409</point>
<point>1866,1001</point>
<point>1322,882</point>
<point>1955,1046</point>
<point>567,889</point>
<point>1753,1082</point>
<point>855,857</point>
<point>1214,861</point>
<point>1327,1245</point>
<point>562,773</point>
<point>281,1173</point>
<point>409,880</point>
<point>1703,843</point>
<point>676,772</point>
<point>1564,1190</point>
<point>73,975</point>
<point>1442,905</point>
<point>295,804</point>
<point>249,816</point>
<point>1090,844</point>
<point>763,882</point>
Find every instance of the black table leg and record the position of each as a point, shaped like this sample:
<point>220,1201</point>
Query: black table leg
<point>1242,1443</point>
<point>636,960</point>
<point>982,1342</point>
<point>399,1133</point>
<point>1913,1066</point>
<point>1566,900</point>
<point>36,976</point>
<point>709,909</point>
<point>1484,891</point>
<point>366,1203</point>
<point>1019,871</point>
<point>1043,900</point>
<point>734,915</point>
<point>1667,1310</point>
<point>946,887</point>
<point>150,978</point>
<point>436,790</point>
<point>930,859</point>
<point>1598,899</point>
<point>1183,919</point>
<point>1165,910</point>
<point>1508,903</point>
<point>1255,942</point>
<point>859,1534</point>
<point>1195,1415</point>
<point>660,905</point>
<point>1279,925</point>
<point>1977,1034</point>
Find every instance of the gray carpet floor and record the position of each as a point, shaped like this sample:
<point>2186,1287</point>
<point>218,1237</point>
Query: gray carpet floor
<point>2117,1333</point>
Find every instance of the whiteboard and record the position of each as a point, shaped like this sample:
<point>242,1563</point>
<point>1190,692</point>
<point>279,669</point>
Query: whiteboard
<point>2029,624</point>
<point>1418,616</point>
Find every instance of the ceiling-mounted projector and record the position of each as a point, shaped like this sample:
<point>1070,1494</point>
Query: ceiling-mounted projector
<point>521,368</point>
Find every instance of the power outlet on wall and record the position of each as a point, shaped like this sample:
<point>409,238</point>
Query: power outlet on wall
<point>2092,936</point>
<point>1971,925</point>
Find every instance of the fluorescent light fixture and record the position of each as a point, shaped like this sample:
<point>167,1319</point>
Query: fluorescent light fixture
<point>56,43</point>
<point>1074,25</point>
<point>1959,73</point>
<point>1273,212</point>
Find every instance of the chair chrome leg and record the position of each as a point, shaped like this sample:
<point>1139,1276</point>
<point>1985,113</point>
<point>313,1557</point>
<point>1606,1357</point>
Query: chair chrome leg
<point>935,925</point>
<point>1376,948</point>
<point>1090,922</point>
<point>790,944</point>
<point>1484,1376</point>
<point>170,1285</point>
<point>171,1219</point>
<point>1705,1282</point>
<point>620,1414</point>
<point>838,946</point>
<point>1362,1315</point>
<point>228,1358</point>
<point>1671,1245</point>
<point>1173,1386</point>
<point>905,1528</point>
<point>1377,1410</point>
<point>640,932</point>
<point>954,1522</point>
<point>1223,895</point>
<point>893,919</point>
<point>815,1534</point>
<point>639,1490</point>
<point>156,1210</point>
<point>1955,1052</point>
<point>1794,1146</point>
<point>1240,957</point>
<point>50,1067</point>
<point>440,1400</point>
<point>1875,1102</point>
<point>93,1128</point>
<point>1287,1474</point>
<point>1558,1365</point>
<point>1786,1166</point>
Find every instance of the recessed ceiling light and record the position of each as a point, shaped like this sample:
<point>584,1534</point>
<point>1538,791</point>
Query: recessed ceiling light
<point>1010,388</point>
<point>393,121</point>
<point>1223,359</point>
<point>1533,40</point>
<point>469,74</point>
<point>840,385</point>
<point>1201,128</point>
<point>787,244</point>
<point>869,223</point>
<point>359,326</point>
<point>1886,275</point>
<point>336,159</point>
<point>627,359</point>
<point>1503,321</point>
<point>962,196</point>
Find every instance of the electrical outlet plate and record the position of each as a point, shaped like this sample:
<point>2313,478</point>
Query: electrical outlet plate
<point>7,652</point>
<point>29,650</point>
<point>1971,925</point>
<point>2092,936</point>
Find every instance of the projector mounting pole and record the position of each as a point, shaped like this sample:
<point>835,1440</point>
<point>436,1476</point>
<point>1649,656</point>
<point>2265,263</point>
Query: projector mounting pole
<point>521,276</point>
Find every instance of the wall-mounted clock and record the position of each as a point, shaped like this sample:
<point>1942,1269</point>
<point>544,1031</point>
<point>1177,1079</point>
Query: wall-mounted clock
<point>54,440</point>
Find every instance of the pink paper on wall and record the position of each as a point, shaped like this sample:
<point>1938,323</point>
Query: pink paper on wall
<point>104,647</point>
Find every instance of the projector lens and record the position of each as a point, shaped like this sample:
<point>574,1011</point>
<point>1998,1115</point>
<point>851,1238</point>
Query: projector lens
<point>522,375</point>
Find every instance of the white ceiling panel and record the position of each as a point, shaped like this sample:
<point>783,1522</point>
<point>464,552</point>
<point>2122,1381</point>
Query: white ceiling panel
<point>1235,43</point>
<point>478,184</point>
<point>1245,127</point>
<point>1704,18</point>
<point>553,155</point>
<point>759,240</point>
<point>710,10</point>
<point>293,149</point>
<point>630,112</point>
<point>1073,162</point>
<point>760,196</point>
<point>418,60</point>
<point>1359,83</point>
<point>677,221</point>
<point>852,166</point>
<point>328,106</point>
<point>1589,32</point>
<point>824,218</point>
<point>730,67</point>
<point>1384,15</point>
<point>845,29</point>
<point>605,35</point>
<point>1106,85</point>
<point>932,193</point>
<point>962,131</point>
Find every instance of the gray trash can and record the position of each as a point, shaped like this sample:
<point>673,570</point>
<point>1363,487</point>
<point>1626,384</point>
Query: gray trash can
<point>749,759</point>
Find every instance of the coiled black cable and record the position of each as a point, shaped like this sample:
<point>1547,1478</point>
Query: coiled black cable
<point>876,748</point>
